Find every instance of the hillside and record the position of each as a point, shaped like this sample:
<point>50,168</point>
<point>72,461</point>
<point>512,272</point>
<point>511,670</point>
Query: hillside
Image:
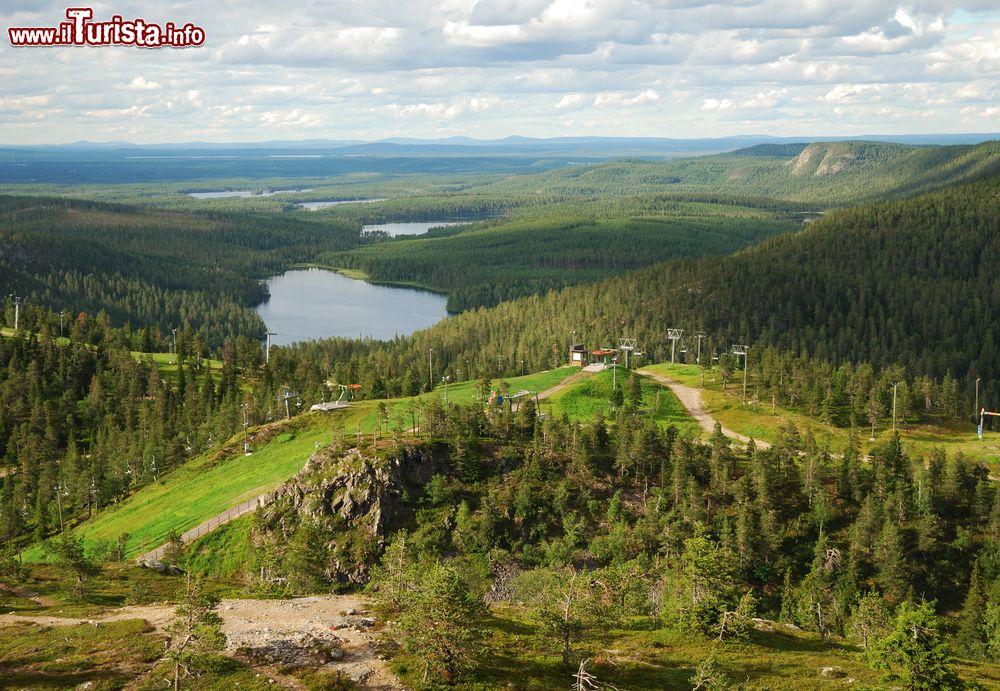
<point>826,173</point>
<point>906,282</point>
<point>197,271</point>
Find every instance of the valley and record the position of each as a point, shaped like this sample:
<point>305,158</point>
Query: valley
<point>764,513</point>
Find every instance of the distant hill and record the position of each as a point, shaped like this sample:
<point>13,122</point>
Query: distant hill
<point>828,173</point>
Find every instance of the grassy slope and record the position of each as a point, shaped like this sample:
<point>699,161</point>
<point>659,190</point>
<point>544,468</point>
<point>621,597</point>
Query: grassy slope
<point>581,401</point>
<point>216,481</point>
<point>756,420</point>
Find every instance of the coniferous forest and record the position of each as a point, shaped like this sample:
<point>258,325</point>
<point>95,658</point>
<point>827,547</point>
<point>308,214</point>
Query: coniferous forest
<point>526,544</point>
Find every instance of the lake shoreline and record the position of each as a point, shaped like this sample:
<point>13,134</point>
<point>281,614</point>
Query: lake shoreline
<point>311,302</point>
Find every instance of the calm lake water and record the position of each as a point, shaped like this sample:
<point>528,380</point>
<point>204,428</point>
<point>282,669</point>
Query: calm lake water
<point>308,304</point>
<point>420,228</point>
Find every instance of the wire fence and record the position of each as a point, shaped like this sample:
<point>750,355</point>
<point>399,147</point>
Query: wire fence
<point>209,525</point>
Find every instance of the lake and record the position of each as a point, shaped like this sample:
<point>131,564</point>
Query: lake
<point>243,193</point>
<point>315,206</point>
<point>420,228</point>
<point>308,304</point>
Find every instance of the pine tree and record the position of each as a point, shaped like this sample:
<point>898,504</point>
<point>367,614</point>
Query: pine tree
<point>914,655</point>
<point>971,636</point>
<point>196,632</point>
<point>440,624</point>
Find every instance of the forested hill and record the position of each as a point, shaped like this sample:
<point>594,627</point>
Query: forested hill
<point>197,271</point>
<point>829,173</point>
<point>914,282</point>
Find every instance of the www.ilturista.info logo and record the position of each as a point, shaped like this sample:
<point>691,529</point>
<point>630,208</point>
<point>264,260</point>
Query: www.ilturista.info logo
<point>81,31</point>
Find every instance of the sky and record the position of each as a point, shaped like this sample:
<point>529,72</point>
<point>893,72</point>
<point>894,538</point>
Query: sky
<point>492,68</point>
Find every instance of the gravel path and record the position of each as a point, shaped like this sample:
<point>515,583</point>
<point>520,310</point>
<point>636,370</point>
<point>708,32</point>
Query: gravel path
<point>690,398</point>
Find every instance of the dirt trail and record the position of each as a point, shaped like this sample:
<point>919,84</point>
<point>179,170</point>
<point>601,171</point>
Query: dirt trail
<point>690,398</point>
<point>256,623</point>
<point>568,381</point>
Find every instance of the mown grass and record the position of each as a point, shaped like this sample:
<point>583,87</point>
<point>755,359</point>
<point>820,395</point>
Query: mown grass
<point>223,553</point>
<point>757,420</point>
<point>581,401</point>
<point>166,365</point>
<point>202,488</point>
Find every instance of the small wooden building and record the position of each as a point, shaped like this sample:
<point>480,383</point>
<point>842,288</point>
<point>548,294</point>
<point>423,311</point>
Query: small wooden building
<point>578,355</point>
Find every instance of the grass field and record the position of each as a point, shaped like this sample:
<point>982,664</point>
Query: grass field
<point>583,400</point>
<point>166,364</point>
<point>756,420</point>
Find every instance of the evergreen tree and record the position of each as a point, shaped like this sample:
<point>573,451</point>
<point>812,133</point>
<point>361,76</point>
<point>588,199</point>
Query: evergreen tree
<point>914,656</point>
<point>971,636</point>
<point>440,624</point>
<point>196,633</point>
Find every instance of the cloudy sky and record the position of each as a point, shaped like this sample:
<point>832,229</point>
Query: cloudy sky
<point>491,68</point>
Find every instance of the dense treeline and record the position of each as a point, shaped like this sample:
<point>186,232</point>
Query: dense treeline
<point>619,523</point>
<point>84,423</point>
<point>911,282</point>
<point>556,246</point>
<point>196,271</point>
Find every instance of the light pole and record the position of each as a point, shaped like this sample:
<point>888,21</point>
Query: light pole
<point>975,411</point>
<point>173,345</point>
<point>430,367</point>
<point>246,441</point>
<point>700,335</point>
<point>267,350</point>
<point>446,379</point>
<point>894,385</point>
<point>743,350</point>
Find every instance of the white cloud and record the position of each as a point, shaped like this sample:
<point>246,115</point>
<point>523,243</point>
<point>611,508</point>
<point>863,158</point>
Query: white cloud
<point>496,67</point>
<point>141,84</point>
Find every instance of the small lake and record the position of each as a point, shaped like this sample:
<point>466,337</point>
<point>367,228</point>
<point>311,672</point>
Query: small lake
<point>313,206</point>
<point>243,193</point>
<point>420,228</point>
<point>308,304</point>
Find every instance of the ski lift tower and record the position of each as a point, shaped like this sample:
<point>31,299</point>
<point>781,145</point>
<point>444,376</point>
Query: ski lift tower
<point>674,335</point>
<point>626,345</point>
<point>286,395</point>
<point>743,350</point>
<point>17,310</point>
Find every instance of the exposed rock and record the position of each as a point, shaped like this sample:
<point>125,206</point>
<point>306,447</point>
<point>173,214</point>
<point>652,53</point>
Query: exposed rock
<point>161,567</point>
<point>302,650</point>
<point>358,497</point>
<point>832,673</point>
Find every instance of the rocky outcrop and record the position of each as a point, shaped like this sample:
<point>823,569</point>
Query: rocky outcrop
<point>357,497</point>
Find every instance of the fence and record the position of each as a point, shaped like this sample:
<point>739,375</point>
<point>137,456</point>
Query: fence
<point>211,524</point>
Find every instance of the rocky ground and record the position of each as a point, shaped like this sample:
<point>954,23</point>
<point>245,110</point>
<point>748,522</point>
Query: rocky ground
<point>331,632</point>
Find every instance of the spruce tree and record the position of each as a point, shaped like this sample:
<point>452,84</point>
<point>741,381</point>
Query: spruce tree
<point>971,636</point>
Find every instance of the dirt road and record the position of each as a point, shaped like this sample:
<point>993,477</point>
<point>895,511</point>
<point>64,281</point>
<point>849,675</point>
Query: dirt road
<point>690,398</point>
<point>568,381</point>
